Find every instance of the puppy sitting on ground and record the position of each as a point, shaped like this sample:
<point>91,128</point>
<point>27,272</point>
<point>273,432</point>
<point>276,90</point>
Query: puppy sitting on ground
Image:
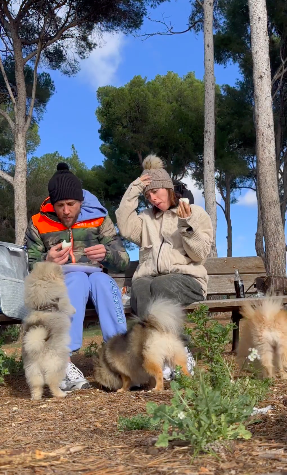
<point>132,358</point>
<point>45,349</point>
<point>264,327</point>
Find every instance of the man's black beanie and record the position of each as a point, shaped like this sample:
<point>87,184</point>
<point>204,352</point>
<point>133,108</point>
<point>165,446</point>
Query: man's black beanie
<point>64,185</point>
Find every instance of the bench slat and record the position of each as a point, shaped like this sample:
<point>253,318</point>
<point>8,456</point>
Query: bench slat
<point>224,284</point>
<point>217,284</point>
<point>221,266</point>
<point>227,265</point>
<point>227,305</point>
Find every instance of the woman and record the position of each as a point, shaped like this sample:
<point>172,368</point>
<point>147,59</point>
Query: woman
<point>174,237</point>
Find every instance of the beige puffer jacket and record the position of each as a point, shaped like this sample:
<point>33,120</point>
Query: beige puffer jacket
<point>168,244</point>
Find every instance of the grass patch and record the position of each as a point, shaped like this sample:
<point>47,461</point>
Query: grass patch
<point>138,422</point>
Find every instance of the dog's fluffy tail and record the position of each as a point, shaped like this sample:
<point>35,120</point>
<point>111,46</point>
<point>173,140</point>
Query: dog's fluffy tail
<point>35,339</point>
<point>266,310</point>
<point>165,315</point>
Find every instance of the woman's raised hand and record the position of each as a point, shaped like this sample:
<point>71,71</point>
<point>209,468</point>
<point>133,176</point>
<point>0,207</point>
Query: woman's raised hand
<point>183,210</point>
<point>145,179</point>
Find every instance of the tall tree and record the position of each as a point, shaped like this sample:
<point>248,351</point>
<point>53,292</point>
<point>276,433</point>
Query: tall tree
<point>163,116</point>
<point>209,120</point>
<point>48,31</point>
<point>232,43</point>
<point>266,155</point>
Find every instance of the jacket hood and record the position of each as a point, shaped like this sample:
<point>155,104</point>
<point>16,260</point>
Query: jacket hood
<point>91,208</point>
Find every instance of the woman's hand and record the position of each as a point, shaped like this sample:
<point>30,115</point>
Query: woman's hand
<point>145,179</point>
<point>183,210</point>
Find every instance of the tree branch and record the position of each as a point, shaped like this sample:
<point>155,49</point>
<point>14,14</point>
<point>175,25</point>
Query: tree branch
<point>6,11</point>
<point>49,42</point>
<point>7,177</point>
<point>245,187</point>
<point>29,117</point>
<point>7,83</point>
<point>169,29</point>
<point>8,118</point>
<point>220,206</point>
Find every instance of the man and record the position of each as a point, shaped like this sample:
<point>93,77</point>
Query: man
<point>76,216</point>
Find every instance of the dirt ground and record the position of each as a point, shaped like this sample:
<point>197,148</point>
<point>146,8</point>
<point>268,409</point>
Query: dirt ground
<point>79,435</point>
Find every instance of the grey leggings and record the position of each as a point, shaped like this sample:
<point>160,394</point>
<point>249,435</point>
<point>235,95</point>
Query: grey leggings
<point>183,288</point>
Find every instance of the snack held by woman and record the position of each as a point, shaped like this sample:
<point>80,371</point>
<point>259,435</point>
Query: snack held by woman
<point>174,238</point>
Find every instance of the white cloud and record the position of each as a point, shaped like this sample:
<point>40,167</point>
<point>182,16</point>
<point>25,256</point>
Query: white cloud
<point>190,183</point>
<point>100,68</point>
<point>197,193</point>
<point>249,199</point>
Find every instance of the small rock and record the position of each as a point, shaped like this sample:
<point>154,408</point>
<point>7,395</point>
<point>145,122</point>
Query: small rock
<point>14,409</point>
<point>152,451</point>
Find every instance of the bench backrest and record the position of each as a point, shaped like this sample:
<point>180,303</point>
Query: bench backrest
<point>220,271</point>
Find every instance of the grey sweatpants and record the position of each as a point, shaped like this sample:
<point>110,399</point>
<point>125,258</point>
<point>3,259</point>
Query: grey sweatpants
<point>183,288</point>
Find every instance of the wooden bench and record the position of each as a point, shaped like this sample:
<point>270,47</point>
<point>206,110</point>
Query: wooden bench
<point>220,285</point>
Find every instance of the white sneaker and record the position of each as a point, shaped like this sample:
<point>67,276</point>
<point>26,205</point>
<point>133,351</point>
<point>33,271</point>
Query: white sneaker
<point>74,379</point>
<point>190,361</point>
<point>169,373</point>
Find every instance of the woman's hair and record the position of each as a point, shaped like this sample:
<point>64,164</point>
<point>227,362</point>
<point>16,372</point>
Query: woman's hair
<point>173,197</point>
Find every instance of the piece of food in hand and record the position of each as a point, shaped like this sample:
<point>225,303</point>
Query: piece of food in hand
<point>185,200</point>
<point>66,244</point>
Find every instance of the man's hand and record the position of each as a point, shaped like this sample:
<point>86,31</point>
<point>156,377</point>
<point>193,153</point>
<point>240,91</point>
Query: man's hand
<point>58,255</point>
<point>96,253</point>
<point>183,210</point>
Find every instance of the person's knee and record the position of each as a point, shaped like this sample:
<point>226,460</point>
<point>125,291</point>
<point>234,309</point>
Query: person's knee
<point>80,279</point>
<point>158,287</point>
<point>100,280</point>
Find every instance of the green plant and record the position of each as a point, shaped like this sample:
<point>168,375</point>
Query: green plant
<point>91,349</point>
<point>210,338</point>
<point>14,365</point>
<point>3,369</point>
<point>10,333</point>
<point>9,365</point>
<point>138,422</point>
<point>212,405</point>
<point>202,417</point>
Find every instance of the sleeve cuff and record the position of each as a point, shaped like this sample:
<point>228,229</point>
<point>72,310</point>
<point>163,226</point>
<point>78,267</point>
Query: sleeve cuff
<point>189,224</point>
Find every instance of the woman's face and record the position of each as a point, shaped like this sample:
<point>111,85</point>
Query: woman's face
<point>159,198</point>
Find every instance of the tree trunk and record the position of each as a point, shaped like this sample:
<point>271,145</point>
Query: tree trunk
<point>140,157</point>
<point>259,244</point>
<point>228,215</point>
<point>20,201</point>
<point>266,157</point>
<point>283,203</point>
<point>209,120</point>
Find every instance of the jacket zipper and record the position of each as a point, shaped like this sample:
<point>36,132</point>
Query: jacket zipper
<point>72,246</point>
<point>159,254</point>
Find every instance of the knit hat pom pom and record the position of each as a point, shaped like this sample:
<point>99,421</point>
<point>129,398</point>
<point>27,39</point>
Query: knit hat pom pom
<point>152,162</point>
<point>62,166</point>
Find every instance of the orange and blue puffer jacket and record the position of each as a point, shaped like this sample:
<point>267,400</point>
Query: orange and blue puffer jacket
<point>94,226</point>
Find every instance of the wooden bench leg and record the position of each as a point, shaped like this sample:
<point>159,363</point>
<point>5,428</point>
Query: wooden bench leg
<point>235,317</point>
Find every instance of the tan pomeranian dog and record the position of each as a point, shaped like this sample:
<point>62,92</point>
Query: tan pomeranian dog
<point>264,327</point>
<point>133,358</point>
<point>46,337</point>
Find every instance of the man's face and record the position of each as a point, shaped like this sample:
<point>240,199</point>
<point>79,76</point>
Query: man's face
<point>68,211</point>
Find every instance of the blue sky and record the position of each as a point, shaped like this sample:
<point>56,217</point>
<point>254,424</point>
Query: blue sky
<point>70,116</point>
